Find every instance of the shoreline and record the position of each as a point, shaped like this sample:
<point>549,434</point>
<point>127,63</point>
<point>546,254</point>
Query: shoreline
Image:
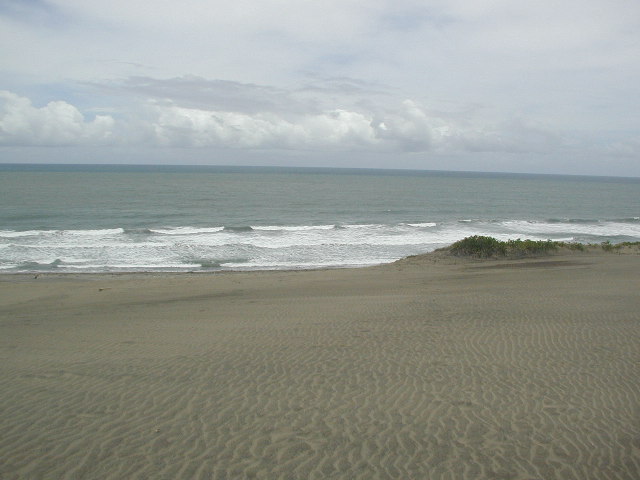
<point>429,367</point>
<point>439,255</point>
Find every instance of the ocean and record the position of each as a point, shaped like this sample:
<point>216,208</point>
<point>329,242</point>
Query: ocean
<point>124,218</point>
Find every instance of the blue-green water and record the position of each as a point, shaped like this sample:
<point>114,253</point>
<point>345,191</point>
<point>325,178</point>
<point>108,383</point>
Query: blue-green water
<point>131,218</point>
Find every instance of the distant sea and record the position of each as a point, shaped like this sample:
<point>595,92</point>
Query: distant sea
<point>107,218</point>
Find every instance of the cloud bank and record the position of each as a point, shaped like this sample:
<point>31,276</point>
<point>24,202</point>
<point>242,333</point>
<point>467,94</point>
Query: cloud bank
<point>460,80</point>
<point>57,123</point>
<point>257,117</point>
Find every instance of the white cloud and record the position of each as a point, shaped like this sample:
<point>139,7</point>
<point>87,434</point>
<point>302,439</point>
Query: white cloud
<point>410,128</point>
<point>178,126</point>
<point>57,123</point>
<point>401,127</point>
<point>329,75</point>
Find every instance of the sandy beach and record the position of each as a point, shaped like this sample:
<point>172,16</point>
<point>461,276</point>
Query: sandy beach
<point>428,368</point>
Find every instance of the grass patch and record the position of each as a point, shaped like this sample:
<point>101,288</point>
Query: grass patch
<point>580,247</point>
<point>485,247</point>
<point>612,247</point>
<point>609,247</point>
<point>629,244</point>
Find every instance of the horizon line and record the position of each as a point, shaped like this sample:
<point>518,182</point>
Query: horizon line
<point>310,168</point>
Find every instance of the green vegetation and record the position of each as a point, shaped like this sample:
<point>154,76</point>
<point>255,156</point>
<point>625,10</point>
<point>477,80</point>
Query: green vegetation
<point>581,247</point>
<point>479,246</point>
<point>628,244</point>
<point>610,247</point>
<point>484,247</point>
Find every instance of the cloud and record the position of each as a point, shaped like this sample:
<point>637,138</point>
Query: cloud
<point>57,123</point>
<point>336,113</point>
<point>517,135</point>
<point>234,115</point>
<point>339,129</point>
<point>191,91</point>
<point>38,12</point>
<point>262,121</point>
<point>410,78</point>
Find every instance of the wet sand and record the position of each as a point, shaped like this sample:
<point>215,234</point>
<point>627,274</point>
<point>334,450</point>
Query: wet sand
<point>429,368</point>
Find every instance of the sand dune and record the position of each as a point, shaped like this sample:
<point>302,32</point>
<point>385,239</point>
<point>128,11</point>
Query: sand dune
<point>430,368</point>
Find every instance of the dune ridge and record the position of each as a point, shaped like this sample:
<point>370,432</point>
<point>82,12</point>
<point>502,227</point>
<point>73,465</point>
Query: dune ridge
<point>432,367</point>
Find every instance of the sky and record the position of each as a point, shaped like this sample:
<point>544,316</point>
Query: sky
<point>496,85</point>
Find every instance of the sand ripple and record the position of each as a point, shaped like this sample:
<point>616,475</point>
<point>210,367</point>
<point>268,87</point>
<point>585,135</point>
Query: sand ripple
<point>456,373</point>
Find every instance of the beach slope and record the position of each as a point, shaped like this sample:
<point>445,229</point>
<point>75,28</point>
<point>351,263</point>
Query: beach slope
<point>432,367</point>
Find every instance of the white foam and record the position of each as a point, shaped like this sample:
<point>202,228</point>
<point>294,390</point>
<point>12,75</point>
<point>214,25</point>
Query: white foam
<point>423,225</point>
<point>359,226</point>
<point>143,266</point>
<point>13,234</point>
<point>309,264</point>
<point>186,230</point>
<point>300,228</point>
<point>604,229</point>
<point>91,233</point>
<point>275,246</point>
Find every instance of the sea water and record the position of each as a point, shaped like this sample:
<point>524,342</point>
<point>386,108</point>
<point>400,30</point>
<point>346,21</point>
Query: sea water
<point>105,218</point>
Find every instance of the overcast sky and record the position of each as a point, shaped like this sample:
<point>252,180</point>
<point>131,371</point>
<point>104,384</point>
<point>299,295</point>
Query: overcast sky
<point>542,86</point>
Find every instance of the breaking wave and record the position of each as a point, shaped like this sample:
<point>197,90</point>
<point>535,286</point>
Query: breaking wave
<point>255,247</point>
